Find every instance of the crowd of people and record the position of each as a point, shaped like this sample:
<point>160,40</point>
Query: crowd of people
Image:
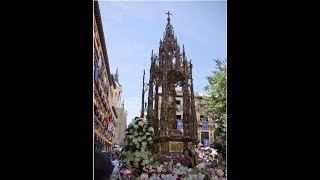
<point>107,164</point>
<point>205,154</point>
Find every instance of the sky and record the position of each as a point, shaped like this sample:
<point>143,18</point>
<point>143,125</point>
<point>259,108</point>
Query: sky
<point>133,28</point>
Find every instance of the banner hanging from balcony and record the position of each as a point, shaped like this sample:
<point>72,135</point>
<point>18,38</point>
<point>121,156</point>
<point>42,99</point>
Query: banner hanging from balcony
<point>95,74</point>
<point>206,143</point>
<point>204,124</point>
<point>179,124</point>
<point>110,127</point>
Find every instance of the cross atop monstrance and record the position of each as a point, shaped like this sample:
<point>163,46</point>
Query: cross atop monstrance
<point>168,15</point>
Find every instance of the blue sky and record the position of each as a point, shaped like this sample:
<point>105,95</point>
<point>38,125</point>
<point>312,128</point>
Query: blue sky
<point>133,28</point>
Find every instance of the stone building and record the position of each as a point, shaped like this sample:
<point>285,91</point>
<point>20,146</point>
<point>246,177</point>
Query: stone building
<point>121,122</point>
<point>105,114</point>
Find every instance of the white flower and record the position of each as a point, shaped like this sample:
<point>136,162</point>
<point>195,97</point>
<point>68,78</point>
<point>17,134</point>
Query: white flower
<point>147,133</point>
<point>215,177</point>
<point>135,133</point>
<point>142,163</point>
<point>194,176</point>
<point>131,158</point>
<point>131,131</point>
<point>137,159</point>
<point>130,136</point>
<point>136,164</point>
<point>137,146</point>
<point>151,129</point>
<point>163,176</point>
<point>137,153</point>
<point>140,133</point>
<point>144,156</point>
<point>178,164</point>
<point>220,172</point>
<point>201,165</point>
<point>146,161</point>
<point>144,137</point>
<point>139,139</point>
<point>159,169</point>
<point>149,139</point>
<point>140,123</point>
<point>154,177</point>
<point>142,149</point>
<point>144,144</point>
<point>134,140</point>
<point>200,175</point>
<point>144,176</point>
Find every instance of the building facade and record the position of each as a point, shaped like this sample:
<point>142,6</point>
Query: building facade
<point>104,111</point>
<point>121,122</point>
<point>205,125</point>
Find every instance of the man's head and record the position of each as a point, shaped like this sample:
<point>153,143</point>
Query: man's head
<point>102,166</point>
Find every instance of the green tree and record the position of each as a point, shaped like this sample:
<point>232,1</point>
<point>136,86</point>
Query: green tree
<point>215,106</point>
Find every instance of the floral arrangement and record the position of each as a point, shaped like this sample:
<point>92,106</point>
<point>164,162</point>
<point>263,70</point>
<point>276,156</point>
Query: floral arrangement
<point>138,163</point>
<point>138,147</point>
<point>170,171</point>
<point>205,171</point>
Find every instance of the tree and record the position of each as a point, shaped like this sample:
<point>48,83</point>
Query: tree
<point>215,106</point>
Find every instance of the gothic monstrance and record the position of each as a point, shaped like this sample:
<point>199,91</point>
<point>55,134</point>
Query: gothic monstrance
<point>170,69</point>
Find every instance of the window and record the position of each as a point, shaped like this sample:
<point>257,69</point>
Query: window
<point>178,102</point>
<point>96,74</point>
<point>178,116</point>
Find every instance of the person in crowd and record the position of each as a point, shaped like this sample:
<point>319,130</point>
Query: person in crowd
<point>103,166</point>
<point>189,158</point>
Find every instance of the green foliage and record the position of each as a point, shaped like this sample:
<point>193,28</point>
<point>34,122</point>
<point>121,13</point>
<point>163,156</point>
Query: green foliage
<point>215,106</point>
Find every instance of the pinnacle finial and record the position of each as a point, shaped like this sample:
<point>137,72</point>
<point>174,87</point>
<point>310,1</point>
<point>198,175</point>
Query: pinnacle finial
<point>116,76</point>
<point>183,50</point>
